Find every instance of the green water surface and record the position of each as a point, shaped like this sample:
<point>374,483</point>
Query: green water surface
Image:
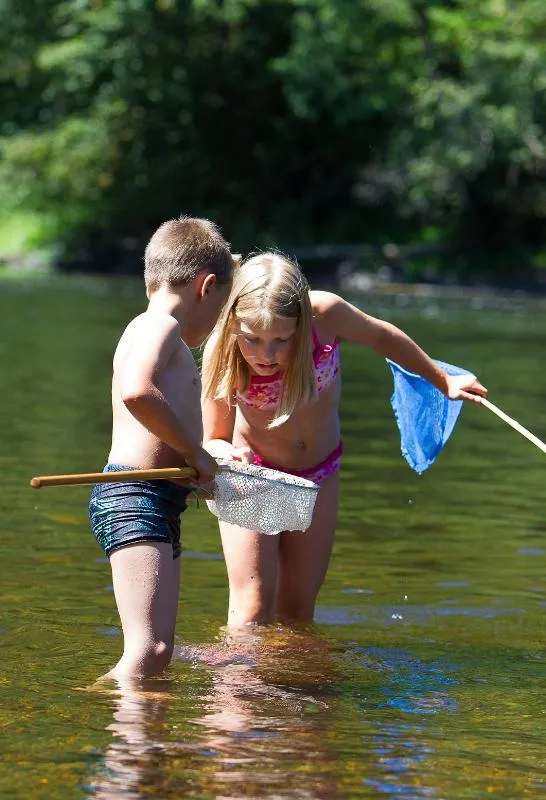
<point>424,674</point>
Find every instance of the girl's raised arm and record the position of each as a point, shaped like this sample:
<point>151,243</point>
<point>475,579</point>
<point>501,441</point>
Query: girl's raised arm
<point>345,321</point>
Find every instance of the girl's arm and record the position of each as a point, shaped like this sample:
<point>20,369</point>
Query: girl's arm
<point>218,415</point>
<point>340,318</point>
<point>218,421</point>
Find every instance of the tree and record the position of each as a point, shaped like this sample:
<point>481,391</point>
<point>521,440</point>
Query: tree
<point>290,122</point>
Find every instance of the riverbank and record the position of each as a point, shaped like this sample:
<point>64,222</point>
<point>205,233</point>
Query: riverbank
<point>363,289</point>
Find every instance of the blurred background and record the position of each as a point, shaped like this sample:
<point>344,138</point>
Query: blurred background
<point>402,138</point>
<point>397,148</point>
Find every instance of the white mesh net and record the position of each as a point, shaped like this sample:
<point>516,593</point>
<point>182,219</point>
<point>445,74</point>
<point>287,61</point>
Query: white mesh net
<point>263,500</point>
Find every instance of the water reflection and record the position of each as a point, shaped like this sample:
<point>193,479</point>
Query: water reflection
<point>400,755</point>
<point>412,685</point>
<point>272,718</point>
<point>400,748</point>
<point>268,713</point>
<point>270,722</point>
<point>139,749</point>
<point>268,739</point>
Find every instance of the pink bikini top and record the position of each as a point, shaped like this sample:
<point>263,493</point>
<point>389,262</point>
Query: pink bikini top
<point>264,391</point>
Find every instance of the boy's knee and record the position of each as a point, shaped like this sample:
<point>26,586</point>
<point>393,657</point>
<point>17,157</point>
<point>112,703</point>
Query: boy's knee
<point>150,658</point>
<point>161,653</point>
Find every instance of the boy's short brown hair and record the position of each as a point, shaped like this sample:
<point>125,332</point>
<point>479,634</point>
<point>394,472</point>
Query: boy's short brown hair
<point>181,248</point>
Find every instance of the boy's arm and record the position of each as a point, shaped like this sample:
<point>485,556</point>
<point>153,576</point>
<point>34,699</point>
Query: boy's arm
<point>155,340</point>
<point>348,322</point>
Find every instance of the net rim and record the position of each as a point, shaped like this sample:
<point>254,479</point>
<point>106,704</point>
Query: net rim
<point>294,481</point>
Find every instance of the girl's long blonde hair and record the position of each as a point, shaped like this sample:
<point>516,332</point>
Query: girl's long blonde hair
<point>265,287</point>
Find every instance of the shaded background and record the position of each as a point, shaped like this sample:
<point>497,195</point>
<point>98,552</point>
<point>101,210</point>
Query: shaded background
<point>377,141</point>
<point>355,134</point>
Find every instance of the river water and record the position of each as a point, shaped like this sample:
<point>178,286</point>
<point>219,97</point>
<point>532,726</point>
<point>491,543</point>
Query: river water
<point>423,675</point>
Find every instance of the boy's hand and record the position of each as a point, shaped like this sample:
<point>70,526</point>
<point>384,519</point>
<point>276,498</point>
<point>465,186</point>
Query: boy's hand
<point>205,465</point>
<point>465,387</point>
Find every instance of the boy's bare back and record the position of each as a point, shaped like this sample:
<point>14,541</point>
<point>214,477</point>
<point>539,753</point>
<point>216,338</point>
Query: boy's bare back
<point>151,353</point>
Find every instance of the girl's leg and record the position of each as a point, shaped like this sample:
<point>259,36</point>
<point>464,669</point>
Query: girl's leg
<point>251,562</point>
<point>146,582</point>
<point>304,557</point>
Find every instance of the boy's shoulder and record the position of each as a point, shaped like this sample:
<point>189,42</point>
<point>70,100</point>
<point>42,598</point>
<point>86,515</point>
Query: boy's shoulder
<point>133,323</point>
<point>158,321</point>
<point>147,332</point>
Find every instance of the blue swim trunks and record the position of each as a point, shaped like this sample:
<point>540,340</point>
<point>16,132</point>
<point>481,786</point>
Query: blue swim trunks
<point>137,511</point>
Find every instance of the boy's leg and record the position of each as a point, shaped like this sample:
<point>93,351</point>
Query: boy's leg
<point>251,562</point>
<point>146,582</point>
<point>304,557</point>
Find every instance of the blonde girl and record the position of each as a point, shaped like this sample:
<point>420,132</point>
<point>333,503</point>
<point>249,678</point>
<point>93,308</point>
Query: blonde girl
<point>271,391</point>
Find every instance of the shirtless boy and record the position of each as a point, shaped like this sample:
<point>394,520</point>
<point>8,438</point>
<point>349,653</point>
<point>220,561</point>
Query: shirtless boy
<point>157,423</point>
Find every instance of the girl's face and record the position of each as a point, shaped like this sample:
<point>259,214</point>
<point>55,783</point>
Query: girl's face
<point>266,350</point>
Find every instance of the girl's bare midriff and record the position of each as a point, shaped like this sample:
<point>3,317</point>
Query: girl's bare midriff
<point>306,439</point>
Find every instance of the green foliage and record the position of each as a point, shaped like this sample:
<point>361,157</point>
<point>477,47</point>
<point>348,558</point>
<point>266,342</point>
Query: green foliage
<point>289,121</point>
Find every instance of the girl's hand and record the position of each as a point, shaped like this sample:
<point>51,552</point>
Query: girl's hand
<point>465,387</point>
<point>244,454</point>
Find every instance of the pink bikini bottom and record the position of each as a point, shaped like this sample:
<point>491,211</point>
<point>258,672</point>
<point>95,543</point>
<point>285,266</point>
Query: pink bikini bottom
<point>317,474</point>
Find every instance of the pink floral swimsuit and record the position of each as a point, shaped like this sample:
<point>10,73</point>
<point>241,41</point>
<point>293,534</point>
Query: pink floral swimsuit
<point>264,392</point>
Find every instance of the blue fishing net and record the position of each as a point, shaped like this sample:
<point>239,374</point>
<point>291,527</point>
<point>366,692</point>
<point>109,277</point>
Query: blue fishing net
<point>425,417</point>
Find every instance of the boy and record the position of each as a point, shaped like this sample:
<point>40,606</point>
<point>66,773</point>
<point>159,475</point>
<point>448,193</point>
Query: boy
<point>157,423</point>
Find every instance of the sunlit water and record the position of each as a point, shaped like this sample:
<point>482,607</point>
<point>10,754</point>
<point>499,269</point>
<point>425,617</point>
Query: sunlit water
<point>424,674</point>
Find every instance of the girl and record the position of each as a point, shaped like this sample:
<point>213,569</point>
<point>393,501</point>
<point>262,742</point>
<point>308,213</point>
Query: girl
<point>271,391</point>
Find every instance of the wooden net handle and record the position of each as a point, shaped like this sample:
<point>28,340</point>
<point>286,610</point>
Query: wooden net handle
<point>513,424</point>
<point>80,479</point>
